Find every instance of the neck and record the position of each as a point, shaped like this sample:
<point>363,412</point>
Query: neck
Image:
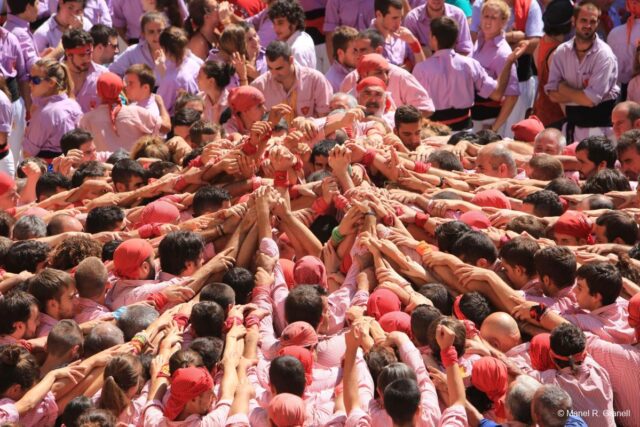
<point>582,45</point>
<point>59,22</point>
<point>51,363</point>
<point>213,94</point>
<point>290,81</point>
<point>378,24</point>
<point>433,13</point>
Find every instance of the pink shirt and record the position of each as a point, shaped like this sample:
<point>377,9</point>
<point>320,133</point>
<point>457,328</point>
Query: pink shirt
<point>87,94</point>
<point>178,79</point>
<point>589,389</point>
<point>46,324</point>
<point>90,310</point>
<point>212,111</point>
<point>132,123</point>
<point>404,87</point>
<point>49,34</point>
<point>131,416</point>
<point>454,416</point>
<point>152,415</point>
<point>302,49</point>
<point>126,291</point>
<point>312,92</point>
<point>43,415</point>
<point>610,322</point>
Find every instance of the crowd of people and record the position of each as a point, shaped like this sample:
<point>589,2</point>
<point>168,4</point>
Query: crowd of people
<point>319,213</point>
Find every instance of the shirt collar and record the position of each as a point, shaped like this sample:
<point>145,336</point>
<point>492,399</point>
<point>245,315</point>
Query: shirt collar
<point>17,21</point>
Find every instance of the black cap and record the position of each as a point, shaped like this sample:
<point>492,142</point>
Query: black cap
<point>557,13</point>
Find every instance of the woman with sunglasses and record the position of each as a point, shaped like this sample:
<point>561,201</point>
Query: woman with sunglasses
<point>54,111</point>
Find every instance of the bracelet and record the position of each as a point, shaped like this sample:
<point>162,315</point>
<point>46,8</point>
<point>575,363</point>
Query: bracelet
<point>537,311</point>
<point>421,167</point>
<point>449,356</point>
<point>281,179</point>
<point>415,46</point>
<point>369,156</point>
<point>336,236</point>
<point>423,248</point>
<point>421,219</point>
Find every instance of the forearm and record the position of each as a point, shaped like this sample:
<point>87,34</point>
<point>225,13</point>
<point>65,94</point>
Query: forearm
<point>310,243</point>
<point>248,248</point>
<point>576,96</point>
<point>506,109</point>
<point>35,395</point>
<point>350,381</point>
<point>503,81</point>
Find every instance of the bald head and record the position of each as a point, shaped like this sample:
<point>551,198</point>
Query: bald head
<point>496,160</point>
<point>501,331</point>
<point>625,116</point>
<point>63,223</point>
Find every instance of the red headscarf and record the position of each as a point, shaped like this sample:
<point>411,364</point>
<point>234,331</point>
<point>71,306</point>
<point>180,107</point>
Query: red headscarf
<point>539,353</point>
<point>287,269</point>
<point>186,384</point>
<point>109,87</point>
<point>298,333</point>
<point>526,130</point>
<point>304,356</point>
<point>310,270</point>
<point>381,302</point>
<point>242,98</point>
<point>576,224</point>
<point>370,81</point>
<point>159,212</point>
<point>490,376</point>
<point>287,410</point>
<point>6,183</point>
<point>129,256</point>
<point>396,321</point>
<point>372,62</point>
<point>492,199</point>
<point>476,220</point>
<point>634,314</point>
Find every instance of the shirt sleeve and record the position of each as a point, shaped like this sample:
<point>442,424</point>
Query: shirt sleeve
<point>603,77</point>
<point>415,94</point>
<point>555,71</point>
<point>534,25</point>
<point>332,16</point>
<point>6,114</point>
<point>218,416</point>
<point>454,416</point>
<point>476,12</point>
<point>410,355</point>
<point>323,92</point>
<point>9,412</point>
<point>119,20</point>
<point>464,44</point>
<point>482,81</point>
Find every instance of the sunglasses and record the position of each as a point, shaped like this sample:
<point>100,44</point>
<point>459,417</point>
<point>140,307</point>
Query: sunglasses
<point>36,80</point>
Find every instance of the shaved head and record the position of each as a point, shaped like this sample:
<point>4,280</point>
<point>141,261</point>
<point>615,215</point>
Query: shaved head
<point>501,331</point>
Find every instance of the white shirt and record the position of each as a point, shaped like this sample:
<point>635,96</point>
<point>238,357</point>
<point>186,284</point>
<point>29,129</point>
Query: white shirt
<point>303,49</point>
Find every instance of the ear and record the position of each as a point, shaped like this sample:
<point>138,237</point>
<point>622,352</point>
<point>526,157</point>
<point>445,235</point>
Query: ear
<point>502,169</point>
<point>120,187</point>
<point>482,263</point>
<point>546,280</point>
<point>519,270</point>
<point>636,124</point>
<point>51,306</point>
<point>619,241</point>
<point>18,327</point>
<point>602,165</point>
<point>379,50</point>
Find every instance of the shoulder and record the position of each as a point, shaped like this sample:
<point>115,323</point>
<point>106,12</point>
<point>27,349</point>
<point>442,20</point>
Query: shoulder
<point>415,13</point>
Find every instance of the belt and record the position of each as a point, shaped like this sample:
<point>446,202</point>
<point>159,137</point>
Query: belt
<point>48,156</point>
<point>484,109</point>
<point>455,118</point>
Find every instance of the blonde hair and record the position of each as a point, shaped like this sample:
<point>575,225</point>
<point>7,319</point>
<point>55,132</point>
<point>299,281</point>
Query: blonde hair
<point>59,72</point>
<point>500,5</point>
<point>152,147</point>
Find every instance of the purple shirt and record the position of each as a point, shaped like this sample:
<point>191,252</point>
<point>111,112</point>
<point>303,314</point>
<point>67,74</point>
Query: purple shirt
<point>87,94</point>
<point>127,14</point>
<point>312,92</point>
<point>11,58</point>
<point>96,11</point>
<point>353,13</point>
<point>418,22</point>
<point>452,79</point>
<point>55,116</point>
<point>492,55</point>
<point>20,28</point>
<point>183,77</point>
<point>624,51</point>
<point>6,113</point>
<point>396,50</point>
<point>49,34</point>
<point>336,74</point>
<point>596,75</point>
<point>263,26</point>
<point>134,54</point>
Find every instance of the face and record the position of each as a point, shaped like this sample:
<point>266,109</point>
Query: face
<point>68,302</point>
<point>600,232</point>
<point>436,5</point>
<point>586,301</point>
<point>70,10</point>
<point>212,14</point>
<point>32,323</point>
<point>409,134</point>
<point>363,47</point>
<point>566,240</point>
<point>79,62</point>
<point>339,103</point>
<point>31,12</point>
<point>513,273</point>
<point>132,88</point>
<point>392,20</point>
<point>483,165</point>
<point>254,114</point>
<point>204,82</point>
<point>253,41</point>
<point>586,23</point>
<point>283,28</point>
<point>372,98</point>
<point>320,163</point>
<point>110,51</point>
<point>630,163</point>
<point>204,402</point>
<point>10,198</point>
<point>151,34</point>
<point>621,122</point>
<point>587,167</point>
<point>349,55</point>
<point>492,22</point>
<point>281,69</point>
<point>134,183</point>
<point>39,84</point>
<point>547,145</point>
<point>88,151</point>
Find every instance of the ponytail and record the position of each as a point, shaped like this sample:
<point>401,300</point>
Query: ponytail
<point>121,374</point>
<point>58,72</point>
<point>67,81</point>
<point>113,398</point>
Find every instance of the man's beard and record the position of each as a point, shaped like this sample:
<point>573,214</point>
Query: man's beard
<point>583,37</point>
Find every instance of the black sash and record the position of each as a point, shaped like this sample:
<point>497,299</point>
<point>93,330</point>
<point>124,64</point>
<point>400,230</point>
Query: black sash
<point>455,118</point>
<point>14,90</point>
<point>590,117</point>
<point>484,108</point>
<point>525,68</point>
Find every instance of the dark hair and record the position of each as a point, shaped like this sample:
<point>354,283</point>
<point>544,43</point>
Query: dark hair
<point>29,227</point>
<point>474,245</point>
<point>629,139</point>
<point>520,251</point>
<point>606,180</point>
<point>463,135</point>
<point>304,303</point>
<point>289,9</point>
<point>86,170</point>
<point>185,117</point>
<point>26,256</point>
<point>73,411</point>
<point>392,372</point>
<point>286,375</point>
<point>421,318</point>
<point>101,337</point>
<point>402,400</point>
<point>48,285</point>
<point>91,278</point>
<point>6,223</point>
<point>72,251</point>
<point>210,349</point>
<point>220,71</point>
<point>563,186</point>
<point>602,278</point>
<point>558,263</point>
<point>599,149</point>
<point>15,307</point>
<point>174,41</point>
<point>197,10</point>
<point>445,30</point>
<point>76,37</point>
<point>145,74</point>
<point>97,418</point>
<point>377,358</point>
<point>619,225</point>
<point>373,36</point>
<point>104,218</point>
<point>220,293</point>
<point>209,199</point>
<point>241,281</point>
<point>322,148</point>
<point>438,294</point>
<point>545,203</point>
<point>545,167</point>
<point>456,326</point>
<point>121,373</point>
<point>136,318</point>
<point>184,359</point>
<point>101,34</point>
<point>529,223</point>
<point>125,169</point>
<point>74,139</point>
<point>407,114</point>
<point>567,340</point>
<point>445,160</point>
<point>177,248</point>
<point>108,249</point>
<point>201,128</point>
<point>160,168</point>
<point>323,225</point>
<point>475,307</point>
<point>383,6</point>
<point>65,335</point>
<point>49,183</point>
<point>19,6</point>
<point>487,136</point>
<point>448,233</point>
<point>18,366</point>
<point>599,201</point>
<point>118,155</point>
<point>277,49</point>
<point>207,319</point>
